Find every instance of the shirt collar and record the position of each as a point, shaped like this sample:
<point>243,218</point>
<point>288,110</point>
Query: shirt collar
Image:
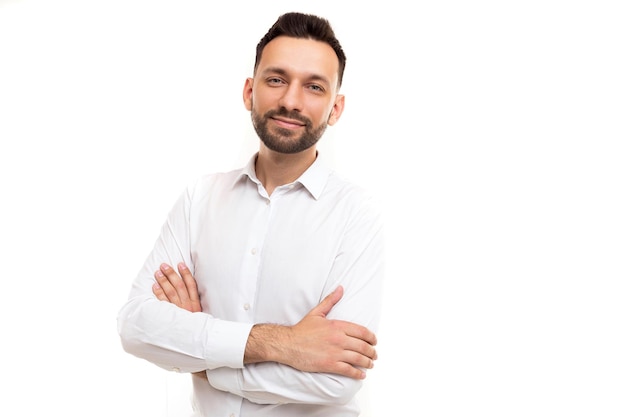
<point>313,179</point>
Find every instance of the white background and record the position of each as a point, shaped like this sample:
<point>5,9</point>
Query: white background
<point>493,131</point>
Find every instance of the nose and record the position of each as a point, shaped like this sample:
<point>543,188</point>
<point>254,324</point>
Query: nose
<point>292,97</point>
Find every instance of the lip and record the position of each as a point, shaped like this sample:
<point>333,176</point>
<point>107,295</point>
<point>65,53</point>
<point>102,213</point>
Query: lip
<point>288,123</point>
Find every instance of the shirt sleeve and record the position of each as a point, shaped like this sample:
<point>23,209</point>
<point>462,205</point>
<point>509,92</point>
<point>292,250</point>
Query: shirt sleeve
<point>169,336</point>
<point>359,268</point>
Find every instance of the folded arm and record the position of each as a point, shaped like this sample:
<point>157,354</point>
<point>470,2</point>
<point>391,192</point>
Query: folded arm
<point>170,337</point>
<point>314,344</point>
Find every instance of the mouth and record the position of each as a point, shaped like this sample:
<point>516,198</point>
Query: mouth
<point>287,123</point>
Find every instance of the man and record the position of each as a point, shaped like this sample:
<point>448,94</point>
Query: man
<point>268,278</point>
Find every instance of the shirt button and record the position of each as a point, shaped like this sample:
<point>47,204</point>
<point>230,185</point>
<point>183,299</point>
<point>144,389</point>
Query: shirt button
<point>176,369</point>
<point>253,251</point>
<point>246,306</point>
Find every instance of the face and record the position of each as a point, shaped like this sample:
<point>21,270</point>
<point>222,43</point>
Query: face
<point>294,96</point>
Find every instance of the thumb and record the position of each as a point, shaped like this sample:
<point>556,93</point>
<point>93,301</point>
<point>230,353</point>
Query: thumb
<point>324,307</point>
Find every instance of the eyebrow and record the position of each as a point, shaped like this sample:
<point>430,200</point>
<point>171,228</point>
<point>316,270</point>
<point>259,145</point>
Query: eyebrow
<point>282,71</point>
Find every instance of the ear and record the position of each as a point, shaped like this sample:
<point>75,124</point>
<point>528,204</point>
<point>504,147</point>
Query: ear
<point>337,109</point>
<point>247,93</point>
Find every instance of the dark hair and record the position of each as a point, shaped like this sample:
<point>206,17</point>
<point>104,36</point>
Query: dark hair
<point>306,26</point>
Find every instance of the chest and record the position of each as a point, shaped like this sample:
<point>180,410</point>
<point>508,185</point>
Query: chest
<point>265,260</point>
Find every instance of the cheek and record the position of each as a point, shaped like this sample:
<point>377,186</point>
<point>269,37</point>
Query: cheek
<point>256,106</point>
<point>261,102</point>
<point>326,114</point>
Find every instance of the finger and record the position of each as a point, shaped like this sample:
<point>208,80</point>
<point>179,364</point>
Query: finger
<point>358,332</point>
<point>170,282</point>
<point>364,353</point>
<point>358,352</point>
<point>347,369</point>
<point>167,291</point>
<point>358,362</point>
<point>191,286</point>
<point>158,292</point>
<point>324,307</point>
<point>185,286</point>
<point>179,285</point>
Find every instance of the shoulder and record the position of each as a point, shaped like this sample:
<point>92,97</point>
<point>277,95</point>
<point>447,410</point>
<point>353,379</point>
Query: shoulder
<point>340,187</point>
<point>351,195</point>
<point>216,182</point>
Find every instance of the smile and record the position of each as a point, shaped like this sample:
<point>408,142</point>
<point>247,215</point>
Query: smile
<point>288,123</point>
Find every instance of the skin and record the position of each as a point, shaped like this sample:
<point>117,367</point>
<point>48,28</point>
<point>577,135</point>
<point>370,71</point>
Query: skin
<point>294,96</point>
<point>301,76</point>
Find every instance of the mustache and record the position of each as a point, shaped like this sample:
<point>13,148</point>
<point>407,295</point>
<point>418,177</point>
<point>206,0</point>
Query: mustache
<point>288,114</point>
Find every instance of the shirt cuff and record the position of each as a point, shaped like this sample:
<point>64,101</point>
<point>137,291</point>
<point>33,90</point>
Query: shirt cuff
<point>227,344</point>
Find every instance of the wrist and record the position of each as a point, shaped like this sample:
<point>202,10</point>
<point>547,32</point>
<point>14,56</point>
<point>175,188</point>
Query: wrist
<point>265,343</point>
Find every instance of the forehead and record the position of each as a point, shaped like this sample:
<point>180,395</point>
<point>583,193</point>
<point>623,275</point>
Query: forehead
<point>298,56</point>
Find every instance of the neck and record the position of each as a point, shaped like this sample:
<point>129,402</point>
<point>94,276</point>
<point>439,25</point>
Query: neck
<point>274,169</point>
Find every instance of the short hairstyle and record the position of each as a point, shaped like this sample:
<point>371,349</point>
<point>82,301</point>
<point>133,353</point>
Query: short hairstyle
<point>304,26</point>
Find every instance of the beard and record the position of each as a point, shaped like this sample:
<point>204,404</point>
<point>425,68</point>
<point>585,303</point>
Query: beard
<point>285,140</point>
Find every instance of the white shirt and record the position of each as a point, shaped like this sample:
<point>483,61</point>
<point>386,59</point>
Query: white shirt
<point>259,259</point>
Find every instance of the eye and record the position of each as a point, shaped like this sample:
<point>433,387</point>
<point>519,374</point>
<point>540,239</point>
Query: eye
<point>317,88</point>
<point>275,81</point>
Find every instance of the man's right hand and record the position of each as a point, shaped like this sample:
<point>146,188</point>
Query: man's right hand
<point>315,343</point>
